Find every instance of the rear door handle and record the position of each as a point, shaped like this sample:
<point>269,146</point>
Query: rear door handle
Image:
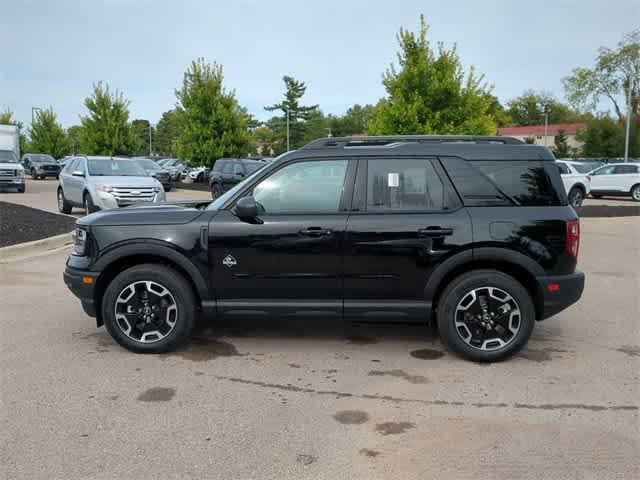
<point>316,232</point>
<point>435,232</point>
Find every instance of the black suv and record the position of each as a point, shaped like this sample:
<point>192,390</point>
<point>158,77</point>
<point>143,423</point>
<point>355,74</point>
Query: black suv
<point>40,165</point>
<point>472,232</point>
<point>228,172</point>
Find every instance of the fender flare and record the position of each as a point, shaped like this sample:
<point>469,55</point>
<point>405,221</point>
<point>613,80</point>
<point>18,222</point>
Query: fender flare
<point>157,249</point>
<point>502,255</point>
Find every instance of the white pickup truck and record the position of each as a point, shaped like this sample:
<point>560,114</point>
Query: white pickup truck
<point>11,172</point>
<point>576,184</point>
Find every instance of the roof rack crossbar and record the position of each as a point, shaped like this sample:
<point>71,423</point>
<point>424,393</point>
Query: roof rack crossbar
<point>389,140</point>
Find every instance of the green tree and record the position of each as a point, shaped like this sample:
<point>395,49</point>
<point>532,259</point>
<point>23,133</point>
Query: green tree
<point>262,138</point>
<point>604,137</point>
<point>501,115</point>
<point>48,136</point>
<point>140,130</point>
<point>529,109</point>
<point>166,134</point>
<point>298,114</point>
<point>611,76</point>
<point>430,92</point>
<point>106,129</point>
<point>562,148</point>
<point>6,118</point>
<point>354,121</point>
<point>212,123</point>
<point>74,137</point>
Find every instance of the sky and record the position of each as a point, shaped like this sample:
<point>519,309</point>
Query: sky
<point>52,51</point>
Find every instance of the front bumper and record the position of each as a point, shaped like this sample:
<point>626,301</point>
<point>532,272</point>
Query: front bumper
<point>73,279</point>
<point>12,182</point>
<point>105,200</point>
<point>559,292</point>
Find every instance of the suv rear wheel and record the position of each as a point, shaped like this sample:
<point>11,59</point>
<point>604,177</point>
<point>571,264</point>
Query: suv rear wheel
<point>635,192</point>
<point>149,309</point>
<point>576,197</point>
<point>485,315</point>
<point>216,190</point>
<point>63,205</point>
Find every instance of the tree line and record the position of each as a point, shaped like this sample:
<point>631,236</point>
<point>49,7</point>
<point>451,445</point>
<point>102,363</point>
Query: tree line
<point>427,92</point>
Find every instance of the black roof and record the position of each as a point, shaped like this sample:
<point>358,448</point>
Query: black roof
<point>465,146</point>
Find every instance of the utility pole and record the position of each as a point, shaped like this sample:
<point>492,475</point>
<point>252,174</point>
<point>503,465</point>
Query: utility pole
<point>149,138</point>
<point>287,129</point>
<point>546,126</point>
<point>628,129</point>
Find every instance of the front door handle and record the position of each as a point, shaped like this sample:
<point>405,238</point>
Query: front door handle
<point>316,232</point>
<point>435,232</point>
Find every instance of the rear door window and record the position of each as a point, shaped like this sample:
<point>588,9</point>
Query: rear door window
<point>625,169</point>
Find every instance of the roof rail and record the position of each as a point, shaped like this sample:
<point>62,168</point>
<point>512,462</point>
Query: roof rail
<point>391,140</point>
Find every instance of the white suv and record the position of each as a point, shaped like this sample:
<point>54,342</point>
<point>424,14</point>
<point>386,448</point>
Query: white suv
<point>576,184</point>
<point>99,183</point>
<point>616,179</point>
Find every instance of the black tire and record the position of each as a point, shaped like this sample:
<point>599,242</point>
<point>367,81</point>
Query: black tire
<point>181,292</point>
<point>461,287</point>
<point>167,188</point>
<point>87,202</point>
<point>576,197</point>
<point>635,192</point>
<point>63,205</point>
<point>200,178</point>
<point>34,175</point>
<point>216,190</point>
<point>21,189</point>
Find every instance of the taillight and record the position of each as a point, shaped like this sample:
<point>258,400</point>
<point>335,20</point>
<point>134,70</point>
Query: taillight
<point>573,238</point>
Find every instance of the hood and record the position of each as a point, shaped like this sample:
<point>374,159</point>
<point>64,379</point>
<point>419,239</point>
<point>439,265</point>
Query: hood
<point>124,181</point>
<point>39,164</point>
<point>11,166</point>
<point>156,214</point>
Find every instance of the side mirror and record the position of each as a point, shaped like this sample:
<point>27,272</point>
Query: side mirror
<point>77,173</point>
<point>246,207</point>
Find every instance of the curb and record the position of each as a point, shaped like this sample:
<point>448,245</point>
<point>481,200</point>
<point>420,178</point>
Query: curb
<point>32,249</point>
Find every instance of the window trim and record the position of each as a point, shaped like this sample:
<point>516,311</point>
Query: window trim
<point>359,206</point>
<point>344,204</point>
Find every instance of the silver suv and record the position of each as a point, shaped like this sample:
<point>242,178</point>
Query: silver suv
<point>100,183</point>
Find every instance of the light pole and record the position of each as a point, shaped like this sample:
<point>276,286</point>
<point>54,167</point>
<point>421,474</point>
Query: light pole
<point>149,138</point>
<point>289,112</point>
<point>628,128</point>
<point>33,110</point>
<point>546,126</point>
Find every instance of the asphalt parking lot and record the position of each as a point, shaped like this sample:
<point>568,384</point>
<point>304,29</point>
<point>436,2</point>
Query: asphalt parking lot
<point>294,399</point>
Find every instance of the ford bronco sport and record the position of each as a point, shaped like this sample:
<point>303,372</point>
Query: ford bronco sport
<point>474,233</point>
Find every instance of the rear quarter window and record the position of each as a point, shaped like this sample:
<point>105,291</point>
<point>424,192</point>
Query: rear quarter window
<point>500,182</point>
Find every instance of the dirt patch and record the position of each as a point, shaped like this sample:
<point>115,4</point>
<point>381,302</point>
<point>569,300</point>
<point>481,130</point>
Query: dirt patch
<point>157,394</point>
<point>203,349</point>
<point>400,374</point>
<point>306,459</point>
<point>631,350</point>
<point>351,417</point>
<point>24,224</point>
<point>369,453</point>
<point>393,428</point>
<point>427,354</point>
<point>361,340</point>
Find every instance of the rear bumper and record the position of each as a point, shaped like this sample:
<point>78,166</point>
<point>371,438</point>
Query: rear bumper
<point>73,279</point>
<point>559,292</point>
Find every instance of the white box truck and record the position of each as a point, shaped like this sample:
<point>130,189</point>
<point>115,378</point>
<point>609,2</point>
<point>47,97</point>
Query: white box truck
<point>11,172</point>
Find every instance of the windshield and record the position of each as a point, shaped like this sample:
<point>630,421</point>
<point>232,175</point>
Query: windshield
<point>585,167</point>
<point>149,165</point>
<point>115,167</point>
<point>7,157</point>
<point>42,159</point>
<point>218,202</point>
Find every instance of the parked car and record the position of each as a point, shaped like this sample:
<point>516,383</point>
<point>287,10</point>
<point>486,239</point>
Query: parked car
<point>11,172</point>
<point>175,168</point>
<point>198,174</point>
<point>472,232</point>
<point>100,183</point>
<point>40,165</point>
<point>228,172</point>
<point>156,171</point>
<point>576,184</point>
<point>616,179</point>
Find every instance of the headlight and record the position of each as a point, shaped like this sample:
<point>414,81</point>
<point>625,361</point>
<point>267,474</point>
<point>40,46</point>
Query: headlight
<point>104,188</point>
<point>21,173</point>
<point>79,242</point>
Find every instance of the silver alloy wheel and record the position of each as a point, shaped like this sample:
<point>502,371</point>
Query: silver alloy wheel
<point>577,198</point>
<point>60,200</point>
<point>146,311</point>
<point>636,194</point>
<point>487,318</point>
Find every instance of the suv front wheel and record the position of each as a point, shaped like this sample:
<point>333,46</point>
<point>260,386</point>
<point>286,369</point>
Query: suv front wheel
<point>485,315</point>
<point>149,309</point>
<point>216,190</point>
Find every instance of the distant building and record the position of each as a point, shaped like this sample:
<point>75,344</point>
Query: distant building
<point>536,133</point>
